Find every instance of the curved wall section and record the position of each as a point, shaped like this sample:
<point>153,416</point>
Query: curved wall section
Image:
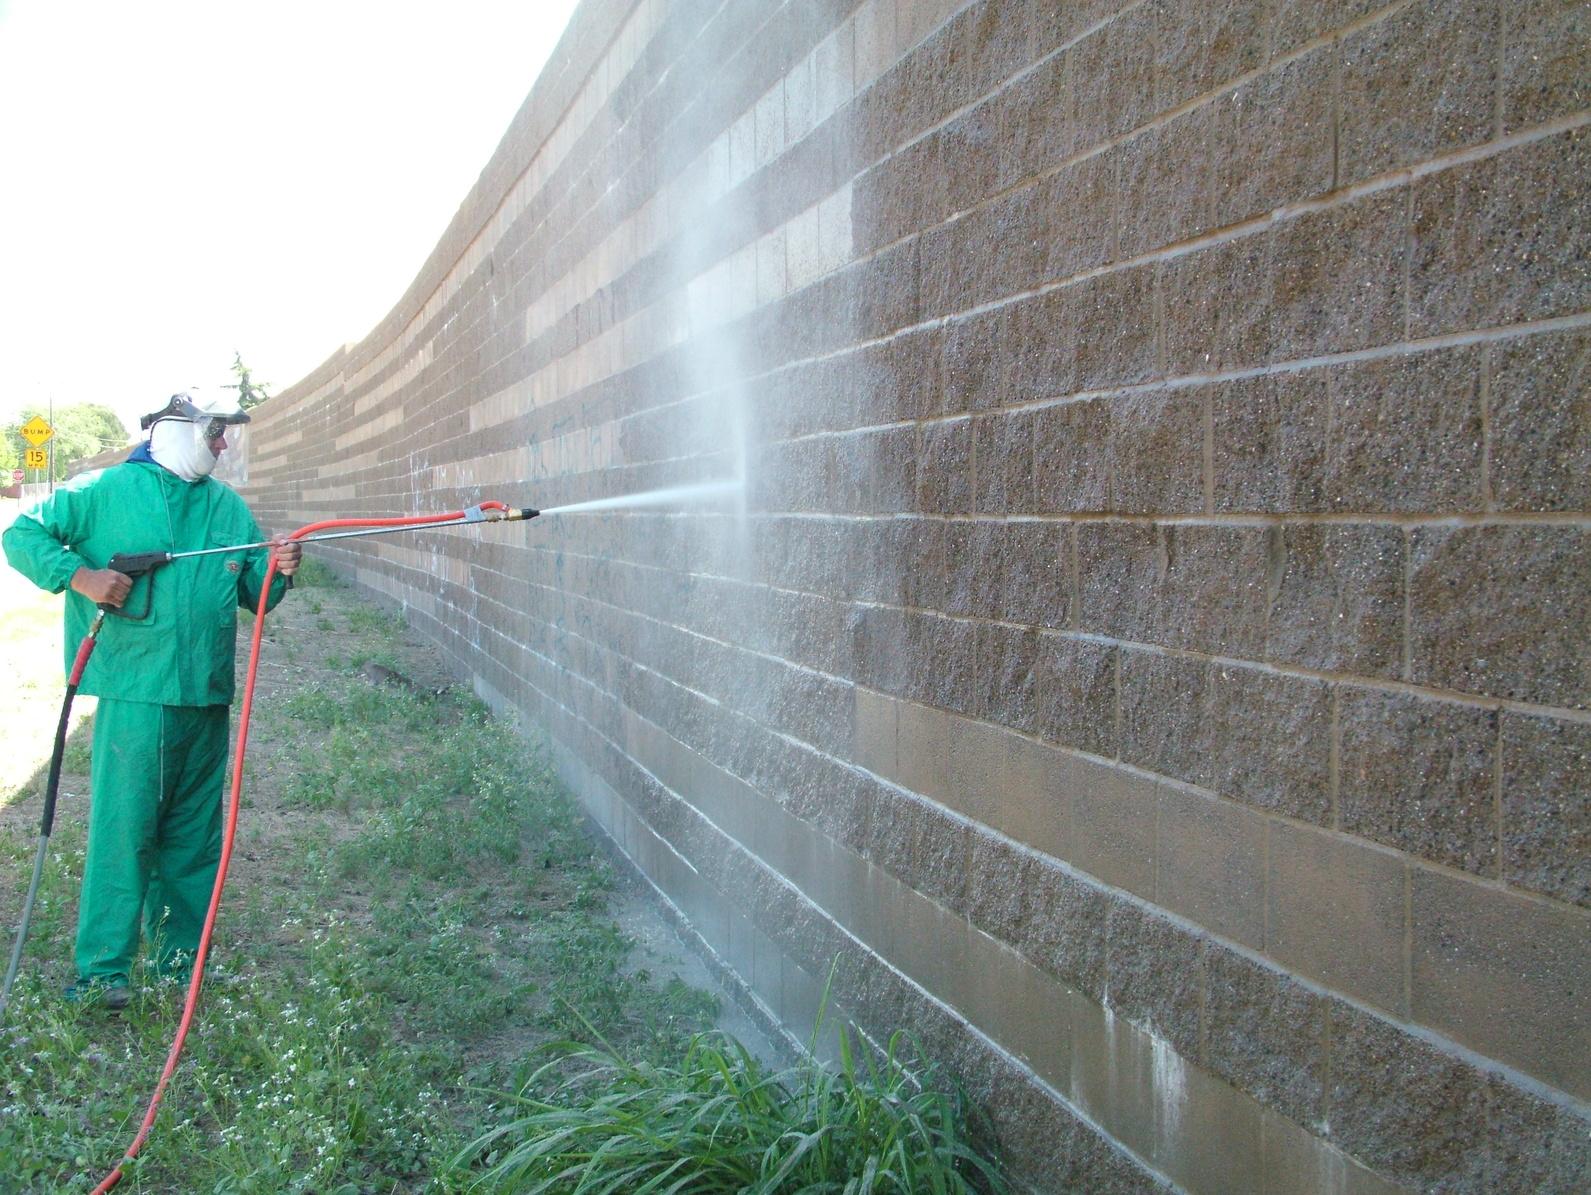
<point>1145,643</point>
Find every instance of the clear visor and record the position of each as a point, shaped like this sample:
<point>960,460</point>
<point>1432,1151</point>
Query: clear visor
<point>232,441</point>
<point>210,447</point>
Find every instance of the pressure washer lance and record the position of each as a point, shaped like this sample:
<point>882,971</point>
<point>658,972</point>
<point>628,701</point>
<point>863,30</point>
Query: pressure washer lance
<point>138,564</point>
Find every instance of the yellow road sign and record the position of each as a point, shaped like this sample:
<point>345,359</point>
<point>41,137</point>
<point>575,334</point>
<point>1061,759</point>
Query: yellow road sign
<point>36,458</point>
<point>35,431</point>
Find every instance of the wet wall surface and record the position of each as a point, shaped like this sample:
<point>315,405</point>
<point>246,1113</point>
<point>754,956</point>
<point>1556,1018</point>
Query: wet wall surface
<point>1145,638</point>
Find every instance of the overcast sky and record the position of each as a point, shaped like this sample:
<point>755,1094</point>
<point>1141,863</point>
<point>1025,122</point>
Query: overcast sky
<point>181,179</point>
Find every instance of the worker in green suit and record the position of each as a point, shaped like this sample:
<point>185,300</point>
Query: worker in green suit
<point>164,682</point>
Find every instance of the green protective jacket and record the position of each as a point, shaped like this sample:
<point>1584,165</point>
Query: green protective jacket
<point>183,653</point>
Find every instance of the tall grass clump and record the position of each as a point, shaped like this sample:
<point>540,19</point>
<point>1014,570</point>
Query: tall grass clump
<point>719,1121</point>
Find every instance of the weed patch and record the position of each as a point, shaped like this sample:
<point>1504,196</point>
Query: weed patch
<point>591,1119</point>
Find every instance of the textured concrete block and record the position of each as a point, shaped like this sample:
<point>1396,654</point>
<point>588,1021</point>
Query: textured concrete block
<point>1112,76</point>
<point>1339,277</point>
<point>1157,453</point>
<point>974,260</point>
<point>1540,423</point>
<point>1259,739</point>
<point>1002,463</point>
<point>996,879</point>
<point>1117,334</point>
<point>941,658</point>
<point>1266,1034</point>
<point>1502,611</point>
<point>1269,741</point>
<point>968,157</point>
<point>878,637</point>
<point>1532,1145</point>
<point>1036,573</point>
<point>1072,457</point>
<point>1213,589</point>
<point>1063,928</point>
<point>1042,347</point>
<point>1546,768</point>
<point>1165,184</point>
<point>1401,1106</point>
<point>1546,61</point>
<point>1419,775</point>
<point>1164,727</point>
<point>1078,207</point>
<point>1119,567</point>
<point>1407,434</point>
<point>1419,84</point>
<point>937,856</point>
<point>944,467</point>
<point>1219,305</point>
<point>1335,913</point>
<point>1505,974</point>
<point>1211,864</point>
<point>1336,601</point>
<point>884,204</point>
<point>1008,676</point>
<point>1501,240</point>
<point>1154,975</point>
<point>974,365</point>
<point>972,555</point>
<point>1038,126</point>
<point>1272,139</point>
<point>1076,693</point>
<point>1201,44</point>
<point>1189,586</point>
<point>1270,442</point>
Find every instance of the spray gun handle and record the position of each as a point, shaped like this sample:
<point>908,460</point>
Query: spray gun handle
<point>135,565</point>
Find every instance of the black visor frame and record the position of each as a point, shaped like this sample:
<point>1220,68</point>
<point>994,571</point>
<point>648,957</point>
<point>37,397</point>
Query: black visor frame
<point>182,407</point>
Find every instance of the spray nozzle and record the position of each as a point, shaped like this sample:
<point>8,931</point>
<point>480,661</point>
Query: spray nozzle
<point>496,512</point>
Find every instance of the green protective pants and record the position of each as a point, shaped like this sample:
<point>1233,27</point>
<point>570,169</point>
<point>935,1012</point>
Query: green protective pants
<point>154,835</point>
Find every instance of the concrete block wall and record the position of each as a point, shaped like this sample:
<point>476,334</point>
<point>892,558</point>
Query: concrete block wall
<point>1149,650</point>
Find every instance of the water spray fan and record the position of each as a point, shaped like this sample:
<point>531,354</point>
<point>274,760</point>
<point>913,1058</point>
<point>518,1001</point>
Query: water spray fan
<point>145,564</point>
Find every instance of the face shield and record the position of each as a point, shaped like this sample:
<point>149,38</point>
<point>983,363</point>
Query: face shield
<point>195,438</point>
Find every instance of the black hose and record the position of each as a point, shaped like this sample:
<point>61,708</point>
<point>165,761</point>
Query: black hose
<point>52,785</point>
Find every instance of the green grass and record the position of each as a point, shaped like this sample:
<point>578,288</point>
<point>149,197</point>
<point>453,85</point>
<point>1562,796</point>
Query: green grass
<point>592,1120</point>
<point>373,620</point>
<point>315,574</point>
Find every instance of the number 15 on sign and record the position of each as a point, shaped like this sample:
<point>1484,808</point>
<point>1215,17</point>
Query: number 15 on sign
<point>36,458</point>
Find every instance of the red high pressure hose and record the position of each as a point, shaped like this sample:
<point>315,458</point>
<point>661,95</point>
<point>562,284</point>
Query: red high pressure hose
<point>194,984</point>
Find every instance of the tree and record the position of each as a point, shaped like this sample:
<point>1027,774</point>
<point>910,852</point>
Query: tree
<point>250,392</point>
<point>8,459</point>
